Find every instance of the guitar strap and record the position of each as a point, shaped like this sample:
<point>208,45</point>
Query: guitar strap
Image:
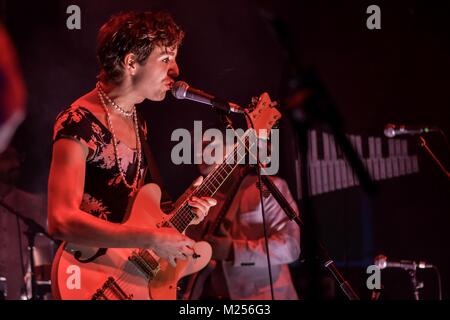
<point>151,172</point>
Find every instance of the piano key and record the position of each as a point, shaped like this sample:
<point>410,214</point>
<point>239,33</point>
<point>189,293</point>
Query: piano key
<point>331,176</point>
<point>388,166</point>
<point>415,164</point>
<point>343,173</point>
<point>350,176</point>
<point>405,159</point>
<point>371,144</point>
<point>324,163</point>
<point>404,148</point>
<point>333,151</point>
<point>395,167</point>
<point>338,174</point>
<point>319,146</point>
<point>398,147</point>
<point>318,177</point>
<point>376,166</point>
<point>313,145</point>
<point>391,147</point>
<point>312,179</point>
<point>384,148</point>
<point>393,157</point>
<point>339,153</point>
<point>379,157</point>
<point>408,165</point>
<point>328,145</point>
<point>402,166</point>
<point>400,158</point>
<point>355,179</point>
<point>370,163</point>
<point>325,178</point>
<point>366,148</point>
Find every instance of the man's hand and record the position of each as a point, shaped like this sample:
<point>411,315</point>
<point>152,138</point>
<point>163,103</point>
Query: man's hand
<point>169,244</point>
<point>200,206</point>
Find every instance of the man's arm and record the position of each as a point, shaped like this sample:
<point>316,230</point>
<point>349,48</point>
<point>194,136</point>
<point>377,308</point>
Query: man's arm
<point>283,236</point>
<point>67,222</point>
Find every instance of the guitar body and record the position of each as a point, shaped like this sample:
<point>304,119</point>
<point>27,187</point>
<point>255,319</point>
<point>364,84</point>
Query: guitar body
<point>80,272</point>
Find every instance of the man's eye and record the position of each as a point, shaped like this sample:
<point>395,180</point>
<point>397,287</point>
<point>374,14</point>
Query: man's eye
<point>166,60</point>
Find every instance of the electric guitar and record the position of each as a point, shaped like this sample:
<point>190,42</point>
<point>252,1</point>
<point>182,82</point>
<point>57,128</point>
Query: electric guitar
<point>81,273</point>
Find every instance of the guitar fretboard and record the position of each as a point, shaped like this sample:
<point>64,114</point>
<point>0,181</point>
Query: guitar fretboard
<point>183,216</point>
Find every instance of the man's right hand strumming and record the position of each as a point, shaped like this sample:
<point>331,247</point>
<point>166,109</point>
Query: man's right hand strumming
<point>170,245</point>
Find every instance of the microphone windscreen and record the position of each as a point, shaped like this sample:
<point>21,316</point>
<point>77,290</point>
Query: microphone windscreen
<point>389,130</point>
<point>179,89</point>
<point>380,261</point>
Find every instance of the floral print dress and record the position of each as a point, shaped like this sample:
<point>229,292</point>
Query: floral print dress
<point>105,195</point>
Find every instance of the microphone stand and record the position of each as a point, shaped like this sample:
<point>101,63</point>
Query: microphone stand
<point>424,145</point>
<point>33,228</point>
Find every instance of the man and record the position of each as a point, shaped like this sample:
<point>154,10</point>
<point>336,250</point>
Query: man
<point>98,162</point>
<point>238,242</point>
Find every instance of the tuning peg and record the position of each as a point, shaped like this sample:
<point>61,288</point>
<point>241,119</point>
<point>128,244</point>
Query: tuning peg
<point>255,101</point>
<point>274,104</point>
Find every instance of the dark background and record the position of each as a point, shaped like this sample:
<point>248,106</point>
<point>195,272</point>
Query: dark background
<point>398,74</point>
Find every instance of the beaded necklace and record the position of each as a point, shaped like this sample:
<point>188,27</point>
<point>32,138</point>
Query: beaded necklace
<point>102,96</point>
<point>127,114</point>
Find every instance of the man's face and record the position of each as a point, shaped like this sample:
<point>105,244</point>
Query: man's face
<point>156,76</point>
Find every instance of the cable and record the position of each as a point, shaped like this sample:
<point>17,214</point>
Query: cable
<point>438,275</point>
<point>19,234</point>
<point>423,144</point>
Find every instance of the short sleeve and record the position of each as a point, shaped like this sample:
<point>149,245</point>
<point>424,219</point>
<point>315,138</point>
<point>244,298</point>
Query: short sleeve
<point>78,125</point>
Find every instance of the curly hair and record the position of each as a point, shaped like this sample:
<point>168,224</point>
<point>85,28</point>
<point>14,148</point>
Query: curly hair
<point>133,32</point>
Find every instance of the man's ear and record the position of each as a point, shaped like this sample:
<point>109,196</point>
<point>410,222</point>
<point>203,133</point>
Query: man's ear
<point>130,63</point>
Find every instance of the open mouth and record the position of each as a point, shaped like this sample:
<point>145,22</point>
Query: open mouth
<point>169,84</point>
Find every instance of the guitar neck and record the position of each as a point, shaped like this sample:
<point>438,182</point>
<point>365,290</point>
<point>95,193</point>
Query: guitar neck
<point>183,215</point>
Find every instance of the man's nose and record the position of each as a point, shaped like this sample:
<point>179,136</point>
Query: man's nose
<point>174,71</point>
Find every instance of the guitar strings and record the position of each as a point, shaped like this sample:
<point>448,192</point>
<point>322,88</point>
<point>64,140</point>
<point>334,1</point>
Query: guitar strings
<point>184,215</point>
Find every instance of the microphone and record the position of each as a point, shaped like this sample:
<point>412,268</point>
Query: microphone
<point>181,90</point>
<point>382,262</point>
<point>392,130</point>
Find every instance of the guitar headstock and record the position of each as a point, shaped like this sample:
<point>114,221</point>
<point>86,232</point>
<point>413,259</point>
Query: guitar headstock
<point>263,114</point>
